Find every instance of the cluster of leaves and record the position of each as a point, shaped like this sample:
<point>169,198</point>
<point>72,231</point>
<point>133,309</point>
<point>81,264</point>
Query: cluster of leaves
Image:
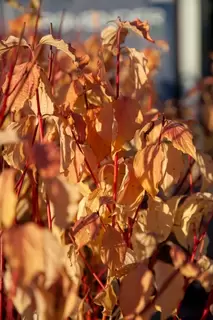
<point>90,181</point>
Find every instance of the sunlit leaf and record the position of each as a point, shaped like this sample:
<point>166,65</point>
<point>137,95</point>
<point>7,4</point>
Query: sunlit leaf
<point>64,198</point>
<point>167,301</point>
<point>149,167</point>
<point>11,42</point>
<point>113,248</point>
<point>180,136</point>
<point>139,282</point>
<point>8,199</point>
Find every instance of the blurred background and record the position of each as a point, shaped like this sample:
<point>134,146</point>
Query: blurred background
<point>185,24</point>
<point>184,74</point>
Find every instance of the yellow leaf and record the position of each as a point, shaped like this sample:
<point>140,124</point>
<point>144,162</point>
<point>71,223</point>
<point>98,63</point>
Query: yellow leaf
<point>189,215</point>
<point>46,100</point>
<point>158,219</point>
<point>59,44</point>
<point>8,200</point>
<point>149,167</point>
<point>143,243</point>
<point>31,250</point>
<point>139,282</point>
<point>64,198</point>
<point>107,298</point>
<point>113,248</point>
<point>167,301</point>
<point>205,163</point>
<point>29,88</point>
<point>11,42</point>
<point>180,136</point>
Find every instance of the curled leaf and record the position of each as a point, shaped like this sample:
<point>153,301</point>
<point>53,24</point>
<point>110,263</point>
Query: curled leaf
<point>11,42</point>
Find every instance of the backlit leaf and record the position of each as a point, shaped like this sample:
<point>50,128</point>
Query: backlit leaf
<point>180,136</point>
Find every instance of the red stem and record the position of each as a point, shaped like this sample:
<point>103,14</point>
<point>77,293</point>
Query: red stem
<point>49,219</point>
<point>209,302</point>
<point>55,65</point>
<point>36,25</point>
<point>39,115</point>
<point>115,182</point>
<point>87,264</point>
<point>118,63</point>
<point>10,75</point>
<point>50,56</point>
<point>1,279</point>
<point>190,175</point>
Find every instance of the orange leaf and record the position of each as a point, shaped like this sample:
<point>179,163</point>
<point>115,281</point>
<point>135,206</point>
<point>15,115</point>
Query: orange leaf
<point>86,229</point>
<point>29,88</point>
<point>180,136</point>
<point>113,248</point>
<point>126,112</point>
<point>149,167</point>
<point>139,282</point>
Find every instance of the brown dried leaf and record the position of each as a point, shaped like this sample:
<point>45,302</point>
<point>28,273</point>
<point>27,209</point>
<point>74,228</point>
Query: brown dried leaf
<point>139,27</point>
<point>8,200</point>
<point>113,248</point>
<point>64,198</point>
<point>180,136</point>
<point>29,88</point>
<point>149,167</point>
<point>86,229</point>
<point>31,250</point>
<point>139,282</point>
<point>167,301</point>
<point>11,42</point>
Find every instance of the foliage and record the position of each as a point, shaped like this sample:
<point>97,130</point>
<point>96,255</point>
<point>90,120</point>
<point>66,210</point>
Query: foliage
<point>102,213</point>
